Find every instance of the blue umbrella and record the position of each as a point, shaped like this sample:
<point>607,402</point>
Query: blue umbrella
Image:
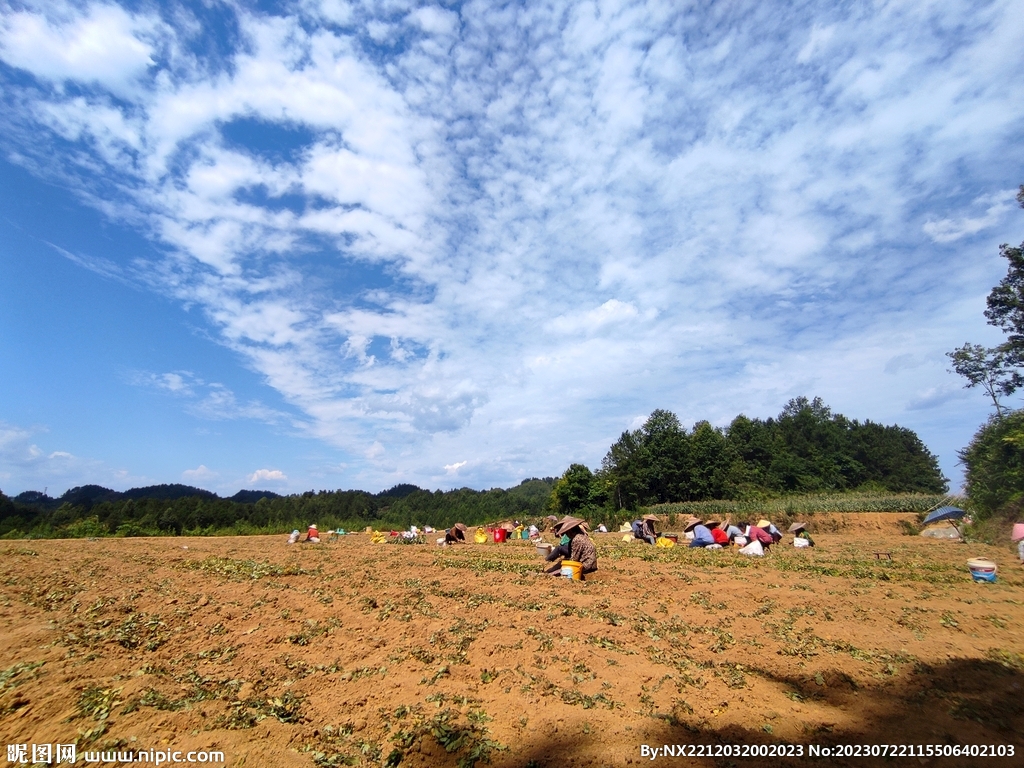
<point>944,513</point>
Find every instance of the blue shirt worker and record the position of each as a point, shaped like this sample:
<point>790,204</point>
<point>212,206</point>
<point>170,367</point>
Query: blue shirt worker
<point>701,534</point>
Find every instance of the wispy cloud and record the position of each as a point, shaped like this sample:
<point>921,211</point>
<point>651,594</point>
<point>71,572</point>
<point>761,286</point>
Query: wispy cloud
<point>209,400</point>
<point>995,209</point>
<point>549,217</point>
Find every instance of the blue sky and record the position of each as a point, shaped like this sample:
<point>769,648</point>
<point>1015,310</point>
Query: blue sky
<point>347,245</point>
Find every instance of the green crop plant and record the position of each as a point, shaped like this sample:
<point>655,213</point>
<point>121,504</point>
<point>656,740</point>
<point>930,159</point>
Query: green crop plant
<point>10,676</point>
<point>242,570</point>
<point>96,702</point>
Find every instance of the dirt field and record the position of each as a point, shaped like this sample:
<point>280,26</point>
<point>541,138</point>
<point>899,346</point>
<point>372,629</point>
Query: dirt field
<point>350,653</point>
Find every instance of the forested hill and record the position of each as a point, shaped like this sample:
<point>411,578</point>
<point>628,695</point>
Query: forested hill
<point>92,510</point>
<point>806,449</point>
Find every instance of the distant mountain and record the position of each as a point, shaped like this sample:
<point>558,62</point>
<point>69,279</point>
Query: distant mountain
<point>251,497</point>
<point>34,497</point>
<point>87,495</point>
<point>400,491</point>
<point>169,492</point>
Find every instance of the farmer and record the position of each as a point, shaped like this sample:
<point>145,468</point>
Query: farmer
<point>561,549</point>
<point>799,531</point>
<point>701,534</point>
<point>732,531</point>
<point>294,537</point>
<point>575,545</point>
<point>312,535</point>
<point>774,532</point>
<point>756,533</point>
<point>456,534</point>
<point>643,529</point>
<point>720,536</point>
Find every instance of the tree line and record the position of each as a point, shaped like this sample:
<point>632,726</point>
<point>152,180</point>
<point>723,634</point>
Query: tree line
<point>182,510</point>
<point>806,449</point>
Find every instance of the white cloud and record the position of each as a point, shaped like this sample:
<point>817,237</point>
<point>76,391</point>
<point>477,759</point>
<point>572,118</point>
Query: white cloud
<point>199,475</point>
<point>434,20</point>
<point>267,475</point>
<point>208,400</point>
<point>933,397</point>
<point>950,230</point>
<point>105,44</point>
<point>816,42</point>
<point>453,469</point>
<point>515,231</point>
<point>612,312</point>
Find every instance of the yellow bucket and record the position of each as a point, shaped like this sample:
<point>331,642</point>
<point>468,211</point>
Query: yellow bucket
<point>572,570</point>
<point>480,537</point>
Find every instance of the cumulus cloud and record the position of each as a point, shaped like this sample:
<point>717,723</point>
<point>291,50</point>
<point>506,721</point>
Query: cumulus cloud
<point>267,475</point>
<point>199,475</point>
<point>101,43</point>
<point>510,233</point>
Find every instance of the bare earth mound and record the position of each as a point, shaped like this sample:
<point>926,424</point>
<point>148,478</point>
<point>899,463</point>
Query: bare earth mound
<point>351,653</point>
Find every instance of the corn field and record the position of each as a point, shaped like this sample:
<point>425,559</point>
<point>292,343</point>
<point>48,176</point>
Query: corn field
<point>806,506</point>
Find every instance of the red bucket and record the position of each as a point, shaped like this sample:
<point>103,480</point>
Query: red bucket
<point>499,535</point>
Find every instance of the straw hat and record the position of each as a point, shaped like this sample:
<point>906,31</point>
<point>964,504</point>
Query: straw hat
<point>313,526</point>
<point>567,523</point>
<point>652,518</point>
<point>712,523</point>
<point>797,527</point>
<point>762,523</point>
<point>691,525</point>
<point>461,527</point>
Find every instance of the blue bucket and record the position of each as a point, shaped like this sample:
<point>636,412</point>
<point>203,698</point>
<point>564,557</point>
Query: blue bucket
<point>982,570</point>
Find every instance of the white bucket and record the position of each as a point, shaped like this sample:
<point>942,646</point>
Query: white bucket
<point>982,569</point>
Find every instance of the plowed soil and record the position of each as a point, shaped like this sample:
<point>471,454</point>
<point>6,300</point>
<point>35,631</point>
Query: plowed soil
<point>351,653</point>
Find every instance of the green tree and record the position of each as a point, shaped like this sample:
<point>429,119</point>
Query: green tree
<point>7,508</point>
<point>649,465</point>
<point>572,493</point>
<point>994,461</point>
<point>709,459</point>
<point>991,368</point>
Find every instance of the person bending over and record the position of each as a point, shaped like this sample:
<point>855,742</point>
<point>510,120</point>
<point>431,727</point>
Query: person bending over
<point>456,534</point>
<point>575,544</point>
<point>701,534</point>
<point>643,529</point>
